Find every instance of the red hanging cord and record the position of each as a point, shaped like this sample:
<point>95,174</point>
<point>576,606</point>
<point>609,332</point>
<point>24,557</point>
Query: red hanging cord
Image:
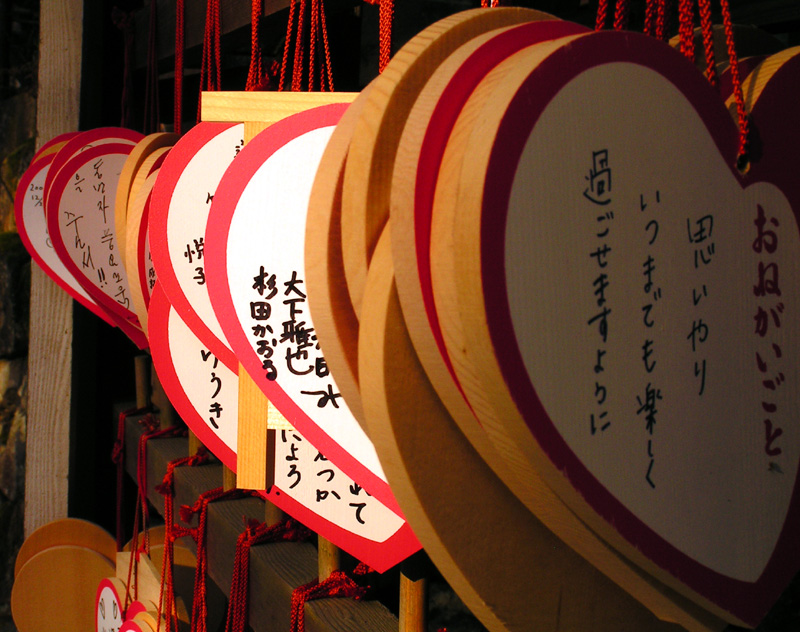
<point>151,425</point>
<point>166,603</point>
<point>151,105</point>
<point>686,28</point>
<point>385,20</point>
<point>255,74</point>
<point>621,14</point>
<point>707,30</point>
<point>118,458</point>
<point>210,68</point>
<point>741,112</point>
<point>662,20</point>
<point>124,22</point>
<point>650,18</point>
<point>338,585</point>
<point>307,16</point>
<point>200,508</point>
<point>288,530</point>
<point>179,47</point>
<point>602,15</point>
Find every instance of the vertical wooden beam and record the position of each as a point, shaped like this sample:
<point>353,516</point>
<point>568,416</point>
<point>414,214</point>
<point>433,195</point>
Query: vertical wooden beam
<point>50,348</point>
<point>142,376</point>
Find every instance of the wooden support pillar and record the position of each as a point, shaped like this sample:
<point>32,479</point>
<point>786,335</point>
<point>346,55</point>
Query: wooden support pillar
<point>50,349</point>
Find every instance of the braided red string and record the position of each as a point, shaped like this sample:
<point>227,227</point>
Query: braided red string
<point>179,48</point>
<point>312,44</point>
<point>151,425</point>
<point>741,112</point>
<point>287,44</point>
<point>167,489</point>
<point>151,105</point>
<point>337,585</point>
<point>621,14</point>
<point>662,20</point>
<point>255,73</point>
<point>327,49</point>
<point>602,15</point>
<point>200,508</point>
<point>650,10</point>
<point>118,458</point>
<point>686,28</point>
<point>707,30</point>
<point>124,21</point>
<point>210,75</point>
<point>385,19</point>
<point>256,533</point>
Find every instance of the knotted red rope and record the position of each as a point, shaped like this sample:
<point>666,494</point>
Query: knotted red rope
<point>288,530</point>
<point>210,68</point>
<point>179,48</point>
<point>171,533</point>
<point>123,20</point>
<point>198,533</point>
<point>151,101</point>
<point>299,13</point>
<point>338,584</point>
<point>141,513</point>
<point>707,30</point>
<point>385,20</point>
<point>258,78</point>
<point>741,112</point>
<point>621,14</point>
<point>118,458</point>
<point>662,19</point>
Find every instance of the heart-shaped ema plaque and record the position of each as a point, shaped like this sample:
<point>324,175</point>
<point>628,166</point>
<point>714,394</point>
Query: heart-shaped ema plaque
<point>32,227</point>
<point>627,300</point>
<point>80,222</point>
<point>179,210</point>
<point>306,484</point>
<point>255,273</point>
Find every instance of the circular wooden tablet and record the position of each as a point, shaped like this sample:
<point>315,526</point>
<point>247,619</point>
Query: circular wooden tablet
<point>417,164</point>
<point>68,531</point>
<point>507,567</point>
<point>328,299</point>
<point>370,159</point>
<point>53,145</point>
<point>127,177</point>
<point>572,393</point>
<point>57,587</point>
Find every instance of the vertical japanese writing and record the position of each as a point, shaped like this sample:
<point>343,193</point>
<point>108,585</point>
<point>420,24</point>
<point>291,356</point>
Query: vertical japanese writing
<point>215,409</point>
<point>599,194</point>
<point>768,317</point>
<point>647,402</point>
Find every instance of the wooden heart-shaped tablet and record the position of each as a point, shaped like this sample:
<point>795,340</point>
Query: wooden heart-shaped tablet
<point>368,173</point>
<point>417,168</point>
<point>179,211</point>
<point>32,227</point>
<point>256,271</point>
<point>306,484</point>
<point>203,389</point>
<point>619,296</point>
<point>138,256</point>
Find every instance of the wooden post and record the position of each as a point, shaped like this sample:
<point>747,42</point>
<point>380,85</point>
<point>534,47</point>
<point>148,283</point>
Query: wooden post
<point>166,411</point>
<point>50,349</point>
<point>413,613</point>
<point>328,558</point>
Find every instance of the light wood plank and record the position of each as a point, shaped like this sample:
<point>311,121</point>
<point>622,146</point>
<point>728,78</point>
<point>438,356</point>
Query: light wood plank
<point>50,348</point>
<point>265,107</point>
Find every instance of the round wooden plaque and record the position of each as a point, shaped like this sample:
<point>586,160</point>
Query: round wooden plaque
<point>56,588</point>
<point>67,531</point>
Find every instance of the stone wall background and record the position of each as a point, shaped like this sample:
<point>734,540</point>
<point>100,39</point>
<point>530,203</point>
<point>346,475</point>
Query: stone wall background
<point>19,42</point>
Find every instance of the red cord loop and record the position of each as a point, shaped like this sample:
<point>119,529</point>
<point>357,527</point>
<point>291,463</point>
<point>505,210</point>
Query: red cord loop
<point>117,457</point>
<point>288,530</point>
<point>339,584</point>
